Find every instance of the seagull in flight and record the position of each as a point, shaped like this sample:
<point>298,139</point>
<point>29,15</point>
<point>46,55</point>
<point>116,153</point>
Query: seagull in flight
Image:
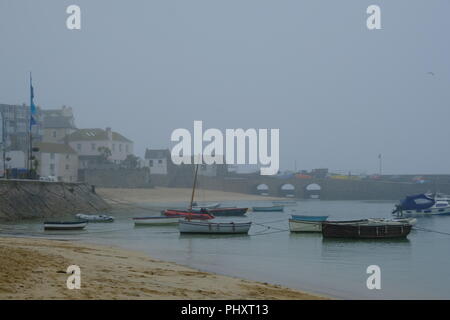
<point>430,73</point>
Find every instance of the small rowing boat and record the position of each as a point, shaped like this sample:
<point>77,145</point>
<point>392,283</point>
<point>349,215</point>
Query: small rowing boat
<point>202,227</point>
<point>155,221</point>
<point>300,223</point>
<point>365,229</point>
<point>65,225</point>
<point>268,209</point>
<point>94,217</point>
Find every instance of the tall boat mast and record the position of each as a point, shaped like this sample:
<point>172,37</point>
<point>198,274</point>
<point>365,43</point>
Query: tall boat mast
<point>193,187</point>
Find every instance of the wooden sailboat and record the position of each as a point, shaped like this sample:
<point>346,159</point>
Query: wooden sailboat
<point>206,227</point>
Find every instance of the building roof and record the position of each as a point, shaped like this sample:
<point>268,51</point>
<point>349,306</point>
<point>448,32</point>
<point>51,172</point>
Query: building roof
<point>46,147</point>
<point>157,153</point>
<point>55,122</point>
<point>58,118</point>
<point>95,135</point>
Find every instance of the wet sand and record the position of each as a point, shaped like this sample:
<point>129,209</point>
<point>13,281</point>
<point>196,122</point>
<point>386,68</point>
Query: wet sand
<point>36,269</point>
<point>175,195</point>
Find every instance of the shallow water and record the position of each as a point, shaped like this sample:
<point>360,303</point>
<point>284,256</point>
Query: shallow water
<point>415,268</point>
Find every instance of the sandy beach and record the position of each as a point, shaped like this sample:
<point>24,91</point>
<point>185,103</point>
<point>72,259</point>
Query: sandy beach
<point>36,269</point>
<point>174,195</point>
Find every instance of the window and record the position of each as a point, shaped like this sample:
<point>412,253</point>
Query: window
<point>68,156</point>
<point>126,148</point>
<point>114,147</point>
<point>79,146</point>
<point>52,156</point>
<point>54,133</point>
<point>160,161</point>
<point>67,167</point>
<point>93,146</point>
<point>151,163</point>
<point>120,147</point>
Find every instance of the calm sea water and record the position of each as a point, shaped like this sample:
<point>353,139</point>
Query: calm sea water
<point>416,268</point>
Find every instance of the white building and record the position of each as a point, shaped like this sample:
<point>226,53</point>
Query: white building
<point>158,160</point>
<point>89,143</point>
<point>57,160</point>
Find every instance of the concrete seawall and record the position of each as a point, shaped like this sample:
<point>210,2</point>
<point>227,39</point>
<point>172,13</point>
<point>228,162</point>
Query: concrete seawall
<point>25,199</point>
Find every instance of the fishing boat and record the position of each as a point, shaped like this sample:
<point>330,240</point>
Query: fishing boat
<point>300,223</point>
<point>203,227</point>
<point>227,212</point>
<point>65,225</point>
<point>155,221</point>
<point>268,209</point>
<point>94,217</point>
<point>365,229</point>
<point>422,205</point>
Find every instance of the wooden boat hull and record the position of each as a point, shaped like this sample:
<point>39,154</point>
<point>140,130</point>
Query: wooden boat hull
<point>201,227</point>
<point>155,221</point>
<point>365,230</point>
<point>223,212</point>
<point>304,226</point>
<point>269,209</point>
<point>78,225</point>
<point>187,214</point>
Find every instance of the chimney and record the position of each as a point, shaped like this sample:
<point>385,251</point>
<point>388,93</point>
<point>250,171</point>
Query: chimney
<point>109,133</point>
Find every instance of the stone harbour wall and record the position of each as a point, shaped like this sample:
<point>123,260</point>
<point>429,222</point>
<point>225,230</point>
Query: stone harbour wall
<point>26,199</point>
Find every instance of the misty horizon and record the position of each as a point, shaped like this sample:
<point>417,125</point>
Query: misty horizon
<point>339,93</point>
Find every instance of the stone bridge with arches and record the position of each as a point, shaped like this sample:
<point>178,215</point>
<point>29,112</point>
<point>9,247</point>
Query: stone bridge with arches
<point>327,189</point>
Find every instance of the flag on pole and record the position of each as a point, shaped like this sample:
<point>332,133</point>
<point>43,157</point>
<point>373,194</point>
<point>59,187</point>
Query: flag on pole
<point>32,106</point>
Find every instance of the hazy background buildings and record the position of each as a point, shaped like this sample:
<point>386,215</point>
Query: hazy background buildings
<point>339,93</point>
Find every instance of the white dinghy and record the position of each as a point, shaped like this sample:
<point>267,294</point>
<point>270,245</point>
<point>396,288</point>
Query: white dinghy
<point>155,221</point>
<point>204,227</point>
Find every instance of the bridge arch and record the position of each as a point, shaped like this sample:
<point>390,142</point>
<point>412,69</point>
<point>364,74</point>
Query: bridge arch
<point>262,189</point>
<point>287,190</point>
<point>312,191</point>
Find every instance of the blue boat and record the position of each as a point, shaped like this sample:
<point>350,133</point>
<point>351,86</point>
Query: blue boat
<point>309,218</point>
<point>268,209</point>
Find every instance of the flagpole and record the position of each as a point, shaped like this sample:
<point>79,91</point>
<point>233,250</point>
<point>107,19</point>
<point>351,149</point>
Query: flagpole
<point>30,150</point>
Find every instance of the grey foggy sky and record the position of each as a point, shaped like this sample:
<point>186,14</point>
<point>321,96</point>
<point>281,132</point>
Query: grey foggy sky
<point>339,93</point>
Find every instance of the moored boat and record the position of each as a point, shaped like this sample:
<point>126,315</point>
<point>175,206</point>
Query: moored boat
<point>203,227</point>
<point>422,205</point>
<point>196,206</point>
<point>155,221</point>
<point>268,209</point>
<point>187,214</point>
<point>365,229</point>
<point>227,212</point>
<point>284,202</point>
<point>65,225</point>
<point>95,217</point>
<point>301,223</point>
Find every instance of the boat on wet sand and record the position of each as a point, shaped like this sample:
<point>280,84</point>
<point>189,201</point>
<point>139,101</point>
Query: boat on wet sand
<point>155,221</point>
<point>206,227</point>
<point>65,225</point>
<point>268,209</point>
<point>365,229</point>
<point>301,223</point>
